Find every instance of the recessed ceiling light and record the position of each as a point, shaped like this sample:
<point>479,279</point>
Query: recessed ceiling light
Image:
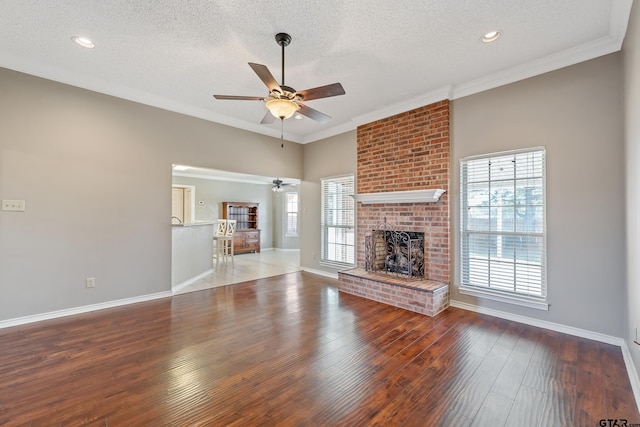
<point>491,36</point>
<point>83,41</point>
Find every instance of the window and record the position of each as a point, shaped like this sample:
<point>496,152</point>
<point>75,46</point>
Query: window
<point>502,227</point>
<point>291,214</point>
<point>338,222</point>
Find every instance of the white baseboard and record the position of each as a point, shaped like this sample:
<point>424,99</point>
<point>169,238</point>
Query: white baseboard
<point>263,249</point>
<point>632,372</point>
<point>583,333</point>
<point>180,286</point>
<point>570,330</point>
<point>83,309</point>
<point>320,272</point>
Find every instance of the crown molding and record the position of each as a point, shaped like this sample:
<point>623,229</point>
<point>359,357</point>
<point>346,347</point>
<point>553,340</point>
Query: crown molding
<point>404,106</point>
<point>329,132</point>
<point>566,58</point>
<point>104,87</point>
<point>618,22</point>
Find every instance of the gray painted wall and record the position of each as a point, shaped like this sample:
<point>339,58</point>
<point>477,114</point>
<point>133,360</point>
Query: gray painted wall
<point>631,55</point>
<point>576,112</point>
<point>95,172</point>
<point>329,157</point>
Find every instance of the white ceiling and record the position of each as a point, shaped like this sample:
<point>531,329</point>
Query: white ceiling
<point>390,56</point>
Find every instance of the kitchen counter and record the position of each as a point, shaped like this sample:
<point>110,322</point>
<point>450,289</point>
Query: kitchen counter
<point>191,251</point>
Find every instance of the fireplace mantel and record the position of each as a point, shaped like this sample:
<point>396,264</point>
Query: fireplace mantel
<point>410,196</point>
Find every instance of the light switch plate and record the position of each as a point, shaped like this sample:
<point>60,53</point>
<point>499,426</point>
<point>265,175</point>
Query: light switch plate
<point>13,205</point>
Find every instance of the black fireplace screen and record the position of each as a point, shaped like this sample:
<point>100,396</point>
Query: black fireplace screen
<point>395,252</point>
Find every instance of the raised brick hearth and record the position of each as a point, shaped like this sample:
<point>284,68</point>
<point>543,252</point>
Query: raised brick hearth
<point>424,296</point>
<point>409,151</point>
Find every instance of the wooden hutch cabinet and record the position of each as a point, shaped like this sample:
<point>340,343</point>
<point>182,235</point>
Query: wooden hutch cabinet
<point>247,236</point>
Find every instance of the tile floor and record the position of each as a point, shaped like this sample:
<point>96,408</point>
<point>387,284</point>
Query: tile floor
<point>247,267</point>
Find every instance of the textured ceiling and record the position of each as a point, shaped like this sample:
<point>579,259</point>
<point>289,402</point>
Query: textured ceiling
<point>390,56</point>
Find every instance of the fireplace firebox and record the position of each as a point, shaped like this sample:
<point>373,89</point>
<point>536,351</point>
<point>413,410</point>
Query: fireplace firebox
<point>395,252</point>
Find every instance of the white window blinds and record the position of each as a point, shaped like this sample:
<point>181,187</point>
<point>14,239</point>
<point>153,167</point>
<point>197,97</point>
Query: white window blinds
<point>338,222</point>
<point>502,221</point>
<point>291,201</point>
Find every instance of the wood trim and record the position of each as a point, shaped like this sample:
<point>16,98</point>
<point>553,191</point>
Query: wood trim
<point>81,309</point>
<point>583,333</point>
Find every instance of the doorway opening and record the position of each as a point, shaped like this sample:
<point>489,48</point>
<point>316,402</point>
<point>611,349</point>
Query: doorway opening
<point>183,204</point>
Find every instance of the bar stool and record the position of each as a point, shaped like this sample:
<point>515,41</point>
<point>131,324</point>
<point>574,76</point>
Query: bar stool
<point>219,239</point>
<point>229,247</point>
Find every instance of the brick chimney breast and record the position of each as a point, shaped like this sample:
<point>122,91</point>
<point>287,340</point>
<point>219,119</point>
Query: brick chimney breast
<point>408,151</point>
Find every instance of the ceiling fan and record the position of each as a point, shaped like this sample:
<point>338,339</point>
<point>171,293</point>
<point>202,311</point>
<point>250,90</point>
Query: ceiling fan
<point>278,185</point>
<point>283,101</point>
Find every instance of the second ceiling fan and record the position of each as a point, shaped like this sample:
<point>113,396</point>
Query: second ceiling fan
<point>283,101</point>
<point>278,185</point>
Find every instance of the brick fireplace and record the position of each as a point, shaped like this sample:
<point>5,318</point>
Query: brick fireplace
<point>404,154</point>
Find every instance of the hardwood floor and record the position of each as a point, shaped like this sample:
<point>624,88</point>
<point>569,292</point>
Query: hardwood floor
<point>291,350</point>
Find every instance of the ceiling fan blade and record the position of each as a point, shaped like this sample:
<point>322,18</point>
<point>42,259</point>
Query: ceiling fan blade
<point>268,118</point>
<point>321,92</point>
<point>313,114</point>
<point>239,98</point>
<point>265,75</point>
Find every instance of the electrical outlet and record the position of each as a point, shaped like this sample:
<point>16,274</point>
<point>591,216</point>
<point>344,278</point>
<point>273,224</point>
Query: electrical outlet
<point>91,282</point>
<point>13,205</point>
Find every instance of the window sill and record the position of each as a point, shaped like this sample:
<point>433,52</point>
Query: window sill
<point>336,265</point>
<point>524,302</point>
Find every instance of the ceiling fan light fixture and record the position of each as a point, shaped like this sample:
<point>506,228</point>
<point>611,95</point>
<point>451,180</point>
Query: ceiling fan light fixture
<point>282,108</point>
<point>283,101</point>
